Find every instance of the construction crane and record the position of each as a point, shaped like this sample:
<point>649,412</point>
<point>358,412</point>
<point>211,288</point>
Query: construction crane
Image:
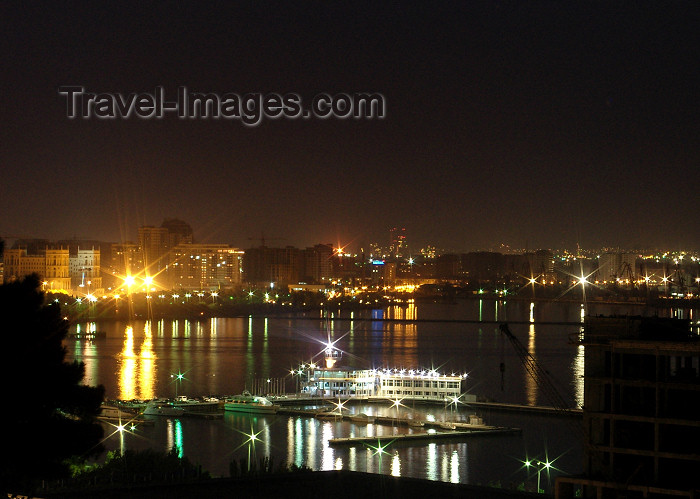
<point>544,382</point>
<point>536,372</point>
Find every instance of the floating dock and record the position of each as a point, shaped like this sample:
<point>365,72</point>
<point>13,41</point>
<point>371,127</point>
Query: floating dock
<point>422,436</point>
<point>501,406</point>
<point>138,421</point>
<point>452,427</point>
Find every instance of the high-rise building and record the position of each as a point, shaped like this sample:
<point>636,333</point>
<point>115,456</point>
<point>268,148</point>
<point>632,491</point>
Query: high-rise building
<point>317,264</point>
<point>641,410</point>
<point>125,259</point>
<point>263,265</point>
<point>483,266</point>
<point>154,245</point>
<point>157,245</point>
<point>398,245</point>
<point>206,266</point>
<point>540,263</point>
<point>179,232</point>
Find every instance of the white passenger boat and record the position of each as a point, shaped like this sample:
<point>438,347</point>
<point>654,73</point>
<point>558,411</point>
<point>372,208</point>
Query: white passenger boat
<point>246,402</point>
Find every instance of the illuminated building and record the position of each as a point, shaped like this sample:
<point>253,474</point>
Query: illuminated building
<point>641,409</point>
<point>153,242</point>
<point>398,245</point>
<point>125,259</point>
<point>84,270</point>
<point>382,273</point>
<point>206,266</point>
<point>18,263</point>
<point>51,264</point>
<point>157,244</point>
<point>56,271</point>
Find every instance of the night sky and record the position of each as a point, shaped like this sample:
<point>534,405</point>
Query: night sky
<point>535,124</point>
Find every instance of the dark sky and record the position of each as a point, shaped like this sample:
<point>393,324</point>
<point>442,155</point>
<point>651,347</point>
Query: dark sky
<point>531,123</point>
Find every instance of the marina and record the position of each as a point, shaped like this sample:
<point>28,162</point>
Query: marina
<point>219,357</point>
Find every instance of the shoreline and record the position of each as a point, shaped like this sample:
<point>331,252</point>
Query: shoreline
<point>204,312</point>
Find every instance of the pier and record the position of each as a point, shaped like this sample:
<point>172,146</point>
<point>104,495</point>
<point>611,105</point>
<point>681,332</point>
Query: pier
<point>538,409</point>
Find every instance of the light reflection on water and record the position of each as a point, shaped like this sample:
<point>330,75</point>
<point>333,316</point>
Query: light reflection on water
<point>137,359</point>
<point>147,364</point>
<point>396,465</point>
<point>327,451</point>
<point>127,371</point>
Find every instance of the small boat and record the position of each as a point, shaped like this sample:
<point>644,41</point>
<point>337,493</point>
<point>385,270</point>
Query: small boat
<point>115,412</point>
<point>362,418</point>
<point>163,408</point>
<point>116,415</point>
<point>415,423</point>
<point>246,402</point>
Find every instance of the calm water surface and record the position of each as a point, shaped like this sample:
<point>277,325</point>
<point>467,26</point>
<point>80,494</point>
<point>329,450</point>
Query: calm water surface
<point>222,356</point>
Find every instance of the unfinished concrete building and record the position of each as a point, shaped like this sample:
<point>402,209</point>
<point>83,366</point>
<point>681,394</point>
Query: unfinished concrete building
<point>641,410</point>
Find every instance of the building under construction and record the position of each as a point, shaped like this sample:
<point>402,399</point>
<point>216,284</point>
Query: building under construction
<point>641,410</point>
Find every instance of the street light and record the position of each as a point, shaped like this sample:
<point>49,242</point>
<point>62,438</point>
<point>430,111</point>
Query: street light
<point>541,465</point>
<point>178,379</point>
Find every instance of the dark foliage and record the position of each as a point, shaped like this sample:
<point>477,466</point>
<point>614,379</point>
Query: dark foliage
<point>138,467</point>
<point>242,468</point>
<point>49,415</point>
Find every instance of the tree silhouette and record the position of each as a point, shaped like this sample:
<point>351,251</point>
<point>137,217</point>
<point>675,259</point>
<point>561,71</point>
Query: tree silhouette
<point>47,415</point>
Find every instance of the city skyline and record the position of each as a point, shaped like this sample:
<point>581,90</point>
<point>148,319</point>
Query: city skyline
<point>530,125</point>
<point>376,248</point>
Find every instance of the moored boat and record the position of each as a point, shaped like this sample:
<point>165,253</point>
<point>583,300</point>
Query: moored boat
<point>163,408</point>
<point>197,407</point>
<point>109,411</point>
<point>362,418</point>
<point>246,402</point>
